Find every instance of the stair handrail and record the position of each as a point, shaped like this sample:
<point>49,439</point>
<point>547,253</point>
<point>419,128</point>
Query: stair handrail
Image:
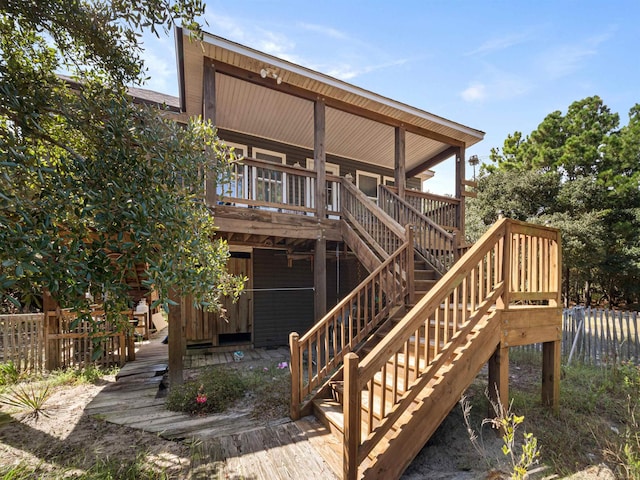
<point>348,323</point>
<point>480,281</point>
<point>434,243</point>
<point>384,233</point>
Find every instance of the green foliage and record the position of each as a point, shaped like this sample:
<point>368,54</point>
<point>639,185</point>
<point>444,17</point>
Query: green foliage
<point>9,373</point>
<point>28,400</point>
<point>578,172</point>
<point>213,391</point>
<point>93,185</point>
<point>78,376</point>
<point>116,469</point>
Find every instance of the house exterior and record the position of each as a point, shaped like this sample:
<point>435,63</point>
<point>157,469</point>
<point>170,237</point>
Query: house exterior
<point>298,129</point>
<point>389,316</point>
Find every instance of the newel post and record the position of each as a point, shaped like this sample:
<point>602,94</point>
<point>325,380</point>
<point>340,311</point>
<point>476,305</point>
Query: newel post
<point>351,410</point>
<point>456,246</point>
<point>507,267</point>
<point>410,265</point>
<point>296,377</point>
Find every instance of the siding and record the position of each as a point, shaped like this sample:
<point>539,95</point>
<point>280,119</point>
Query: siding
<point>278,313</point>
<point>299,155</point>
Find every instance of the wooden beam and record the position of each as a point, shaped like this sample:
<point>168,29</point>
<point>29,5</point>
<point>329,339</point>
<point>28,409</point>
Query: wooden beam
<point>352,411</point>
<point>176,333</point>
<point>320,278</point>
<point>284,87</point>
<point>320,157</point>
<point>432,162</point>
<point>460,176</point>
<point>551,374</point>
<point>209,113</point>
<point>499,377</point>
<point>400,175</point>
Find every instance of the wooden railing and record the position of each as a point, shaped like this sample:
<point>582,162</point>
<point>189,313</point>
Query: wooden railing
<point>486,277</point>
<point>265,185</point>
<point>382,232</point>
<point>432,241</point>
<point>319,352</point>
<point>440,209</point>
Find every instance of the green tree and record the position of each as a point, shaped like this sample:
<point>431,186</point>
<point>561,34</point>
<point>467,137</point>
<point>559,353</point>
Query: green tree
<point>579,172</point>
<point>92,185</point>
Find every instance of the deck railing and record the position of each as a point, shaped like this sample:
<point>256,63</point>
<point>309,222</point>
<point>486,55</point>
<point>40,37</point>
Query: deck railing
<point>487,276</point>
<point>440,209</point>
<point>380,230</point>
<point>271,186</point>
<point>316,354</point>
<point>432,241</point>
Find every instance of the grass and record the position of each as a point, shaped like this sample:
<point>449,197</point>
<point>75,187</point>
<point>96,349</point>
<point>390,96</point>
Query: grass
<point>596,422</point>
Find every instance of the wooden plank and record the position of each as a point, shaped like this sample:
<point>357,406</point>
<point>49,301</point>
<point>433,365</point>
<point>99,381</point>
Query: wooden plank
<point>352,411</point>
<point>320,278</point>
<point>525,336</point>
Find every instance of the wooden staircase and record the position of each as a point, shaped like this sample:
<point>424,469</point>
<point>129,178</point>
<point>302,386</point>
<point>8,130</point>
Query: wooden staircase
<point>385,366</point>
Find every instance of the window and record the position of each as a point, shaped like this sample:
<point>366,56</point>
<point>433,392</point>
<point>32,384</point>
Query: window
<point>368,183</point>
<point>389,181</point>
<point>236,186</point>
<point>267,183</point>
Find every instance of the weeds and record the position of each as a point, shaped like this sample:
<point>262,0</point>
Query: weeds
<point>29,400</point>
<point>508,424</point>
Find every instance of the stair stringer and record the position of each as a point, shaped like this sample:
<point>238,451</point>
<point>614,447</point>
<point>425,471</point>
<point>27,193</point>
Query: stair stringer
<point>432,405</point>
<point>370,259</point>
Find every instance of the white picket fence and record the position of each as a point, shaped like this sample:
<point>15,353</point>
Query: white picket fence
<point>596,336</point>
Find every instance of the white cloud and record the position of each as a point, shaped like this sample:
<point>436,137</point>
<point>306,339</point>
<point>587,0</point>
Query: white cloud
<point>565,59</point>
<point>324,30</point>
<point>476,92</point>
<point>498,43</point>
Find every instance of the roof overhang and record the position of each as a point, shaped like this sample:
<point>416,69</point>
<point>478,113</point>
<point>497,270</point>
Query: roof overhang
<point>254,89</point>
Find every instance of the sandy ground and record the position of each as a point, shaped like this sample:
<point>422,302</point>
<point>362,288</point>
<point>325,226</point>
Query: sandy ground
<point>67,441</point>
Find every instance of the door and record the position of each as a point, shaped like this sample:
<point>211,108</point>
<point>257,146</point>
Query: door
<point>237,327</point>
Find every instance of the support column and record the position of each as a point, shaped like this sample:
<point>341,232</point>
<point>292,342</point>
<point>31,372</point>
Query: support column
<point>320,278</point>
<point>499,377</point>
<point>460,176</point>
<point>176,334</point>
<point>551,374</point>
<point>320,158</point>
<point>400,175</point>
<point>209,113</point>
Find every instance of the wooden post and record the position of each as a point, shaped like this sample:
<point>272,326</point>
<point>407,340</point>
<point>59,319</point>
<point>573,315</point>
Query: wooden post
<point>410,265</point>
<point>400,175</point>
<point>460,174</point>
<point>351,411</point>
<point>175,341</point>
<point>551,374</point>
<point>296,375</point>
<point>320,158</point>
<point>320,278</point>
<point>209,113</point>
<point>456,246</point>
<point>51,326</point>
<point>504,300</point>
<point>499,377</point>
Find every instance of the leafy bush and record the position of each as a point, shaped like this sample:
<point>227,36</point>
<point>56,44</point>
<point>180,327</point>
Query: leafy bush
<point>213,391</point>
<point>9,373</point>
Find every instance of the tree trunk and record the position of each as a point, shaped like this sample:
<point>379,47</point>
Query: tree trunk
<point>587,293</point>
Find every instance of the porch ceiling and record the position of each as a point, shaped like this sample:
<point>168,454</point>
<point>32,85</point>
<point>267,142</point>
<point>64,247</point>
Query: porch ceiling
<point>359,124</point>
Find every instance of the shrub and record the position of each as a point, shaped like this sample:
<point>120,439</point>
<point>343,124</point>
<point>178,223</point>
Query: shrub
<point>9,373</point>
<point>28,401</point>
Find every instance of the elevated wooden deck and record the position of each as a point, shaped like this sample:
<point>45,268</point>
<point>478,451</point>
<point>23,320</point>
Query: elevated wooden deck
<point>223,446</point>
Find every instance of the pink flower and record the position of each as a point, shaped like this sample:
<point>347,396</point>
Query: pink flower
<point>265,369</point>
<point>283,365</point>
<point>201,398</point>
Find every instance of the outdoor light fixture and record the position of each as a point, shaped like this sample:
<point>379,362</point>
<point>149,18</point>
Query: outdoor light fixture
<point>268,72</point>
<point>473,161</point>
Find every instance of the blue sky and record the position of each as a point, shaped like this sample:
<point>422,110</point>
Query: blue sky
<point>498,66</point>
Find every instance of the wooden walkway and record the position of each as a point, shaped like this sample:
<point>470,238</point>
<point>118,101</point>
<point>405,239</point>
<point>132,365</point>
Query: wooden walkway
<point>225,446</point>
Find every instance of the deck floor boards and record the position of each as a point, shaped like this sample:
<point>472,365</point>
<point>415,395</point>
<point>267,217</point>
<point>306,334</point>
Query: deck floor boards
<point>226,446</point>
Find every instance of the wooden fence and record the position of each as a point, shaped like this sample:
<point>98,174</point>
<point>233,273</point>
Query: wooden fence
<point>596,336</point>
<point>34,345</point>
<point>22,341</point>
